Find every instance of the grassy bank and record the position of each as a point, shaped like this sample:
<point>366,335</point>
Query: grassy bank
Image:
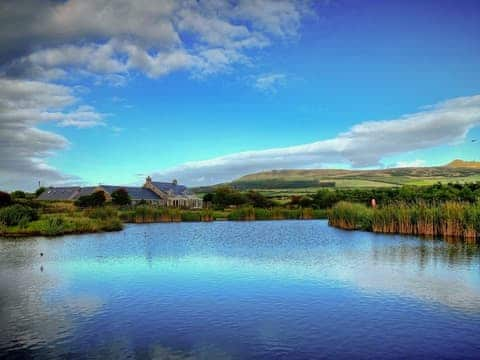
<point>149,214</point>
<point>449,219</point>
<point>79,222</point>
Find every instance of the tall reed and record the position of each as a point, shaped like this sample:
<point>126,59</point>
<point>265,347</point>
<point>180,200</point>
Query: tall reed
<point>449,219</point>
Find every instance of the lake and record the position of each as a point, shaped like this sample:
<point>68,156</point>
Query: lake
<point>239,290</point>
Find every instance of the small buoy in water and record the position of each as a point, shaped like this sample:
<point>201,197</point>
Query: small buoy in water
<point>41,254</point>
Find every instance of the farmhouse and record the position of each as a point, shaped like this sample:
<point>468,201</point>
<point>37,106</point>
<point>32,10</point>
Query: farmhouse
<point>165,194</point>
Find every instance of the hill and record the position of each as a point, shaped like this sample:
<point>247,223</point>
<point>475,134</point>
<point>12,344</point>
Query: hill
<point>464,164</point>
<point>286,182</point>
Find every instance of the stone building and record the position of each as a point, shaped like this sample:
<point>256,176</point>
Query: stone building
<point>164,194</point>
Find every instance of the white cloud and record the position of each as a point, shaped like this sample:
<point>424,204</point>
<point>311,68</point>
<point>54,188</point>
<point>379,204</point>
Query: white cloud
<point>363,145</point>
<point>24,148</point>
<point>414,163</point>
<point>269,83</point>
<point>107,41</point>
<point>114,37</point>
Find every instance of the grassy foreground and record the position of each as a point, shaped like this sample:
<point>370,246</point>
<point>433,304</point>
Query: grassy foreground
<point>64,222</point>
<point>449,219</point>
<point>52,225</point>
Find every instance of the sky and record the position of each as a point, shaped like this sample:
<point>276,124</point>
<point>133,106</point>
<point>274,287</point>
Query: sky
<point>110,91</point>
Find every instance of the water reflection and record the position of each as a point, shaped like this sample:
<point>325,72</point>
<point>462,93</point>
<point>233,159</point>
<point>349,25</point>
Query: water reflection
<point>236,290</point>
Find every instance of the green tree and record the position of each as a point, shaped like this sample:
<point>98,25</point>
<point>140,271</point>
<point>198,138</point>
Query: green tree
<point>40,191</point>
<point>258,200</point>
<point>325,199</point>
<point>18,194</point>
<point>92,200</point>
<point>208,197</point>
<point>305,202</point>
<point>121,197</point>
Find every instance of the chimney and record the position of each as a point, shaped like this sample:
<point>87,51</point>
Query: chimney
<point>175,182</point>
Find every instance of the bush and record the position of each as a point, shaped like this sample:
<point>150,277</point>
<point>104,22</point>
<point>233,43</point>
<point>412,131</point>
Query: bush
<point>18,194</point>
<point>5,199</point>
<point>191,216</point>
<point>121,197</point>
<point>15,214</point>
<point>94,200</point>
<point>103,213</point>
<point>54,225</point>
<point>258,200</point>
<point>40,191</point>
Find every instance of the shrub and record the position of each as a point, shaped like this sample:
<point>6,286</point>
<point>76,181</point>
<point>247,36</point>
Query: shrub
<point>93,200</point>
<point>103,213</point>
<point>191,216</point>
<point>258,200</point>
<point>14,214</point>
<point>40,191</point>
<point>18,194</point>
<point>54,225</point>
<point>5,199</point>
<point>121,197</point>
<point>243,213</point>
<point>305,202</point>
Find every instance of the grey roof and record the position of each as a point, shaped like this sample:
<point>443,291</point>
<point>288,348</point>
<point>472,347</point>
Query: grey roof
<point>60,193</point>
<point>136,193</point>
<point>87,190</point>
<point>171,187</point>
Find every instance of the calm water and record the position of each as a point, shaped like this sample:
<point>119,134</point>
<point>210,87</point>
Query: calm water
<point>228,290</point>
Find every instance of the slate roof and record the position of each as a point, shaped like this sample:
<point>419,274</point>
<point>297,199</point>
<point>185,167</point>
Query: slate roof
<point>87,190</point>
<point>171,187</point>
<point>60,193</point>
<point>136,193</point>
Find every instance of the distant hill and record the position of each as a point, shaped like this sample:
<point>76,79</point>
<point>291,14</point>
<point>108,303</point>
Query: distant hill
<point>464,164</point>
<point>278,182</point>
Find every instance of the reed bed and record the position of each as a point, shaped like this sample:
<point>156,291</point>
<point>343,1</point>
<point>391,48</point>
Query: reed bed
<point>149,214</point>
<point>249,213</point>
<point>449,219</point>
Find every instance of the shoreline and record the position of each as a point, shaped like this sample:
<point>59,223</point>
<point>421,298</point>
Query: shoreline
<point>26,234</point>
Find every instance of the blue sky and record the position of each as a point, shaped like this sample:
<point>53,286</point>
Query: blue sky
<point>314,72</point>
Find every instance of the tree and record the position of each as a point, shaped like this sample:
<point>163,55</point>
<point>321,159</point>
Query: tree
<point>93,200</point>
<point>18,194</point>
<point>121,197</point>
<point>305,202</point>
<point>325,199</point>
<point>258,200</point>
<point>208,197</point>
<point>40,191</point>
<point>5,199</point>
